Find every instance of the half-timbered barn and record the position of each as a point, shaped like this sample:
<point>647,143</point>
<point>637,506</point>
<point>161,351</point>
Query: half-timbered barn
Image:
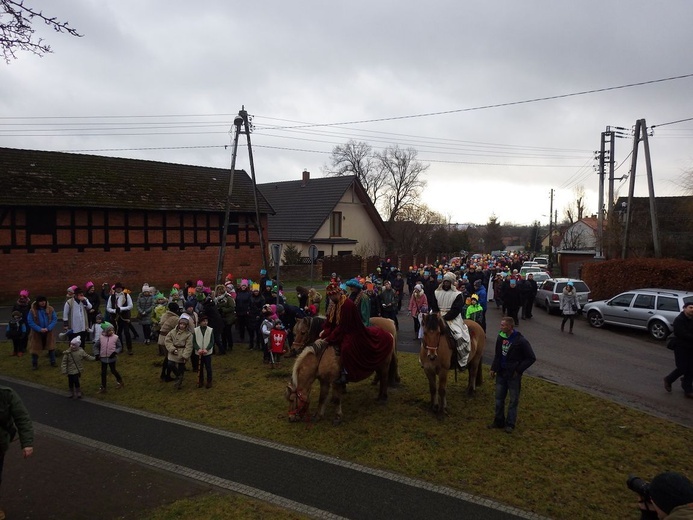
<point>70,218</point>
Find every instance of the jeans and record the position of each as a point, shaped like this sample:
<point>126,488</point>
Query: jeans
<point>504,385</point>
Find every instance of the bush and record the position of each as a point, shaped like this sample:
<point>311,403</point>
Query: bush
<point>607,279</point>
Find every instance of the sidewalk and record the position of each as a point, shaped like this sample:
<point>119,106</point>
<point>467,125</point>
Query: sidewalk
<point>96,460</point>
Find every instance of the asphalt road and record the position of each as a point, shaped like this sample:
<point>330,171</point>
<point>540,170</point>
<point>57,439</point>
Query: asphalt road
<point>622,365</point>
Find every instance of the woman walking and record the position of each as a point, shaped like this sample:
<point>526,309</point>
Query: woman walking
<point>418,303</point>
<point>569,306</point>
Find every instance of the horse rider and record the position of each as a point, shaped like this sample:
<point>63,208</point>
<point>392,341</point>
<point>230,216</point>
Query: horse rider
<point>450,303</point>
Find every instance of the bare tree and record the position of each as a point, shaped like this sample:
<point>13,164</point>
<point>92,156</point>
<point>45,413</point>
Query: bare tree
<point>575,210</point>
<point>685,181</point>
<point>357,159</point>
<point>413,229</point>
<point>17,33</point>
<point>575,239</point>
<point>403,179</point>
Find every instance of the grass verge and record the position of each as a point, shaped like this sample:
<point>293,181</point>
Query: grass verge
<point>568,458</point>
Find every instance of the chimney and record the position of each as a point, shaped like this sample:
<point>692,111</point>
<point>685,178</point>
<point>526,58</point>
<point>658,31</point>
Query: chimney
<point>306,178</point>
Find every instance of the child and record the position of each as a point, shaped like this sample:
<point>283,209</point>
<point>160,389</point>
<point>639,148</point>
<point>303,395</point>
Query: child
<point>71,365</point>
<point>107,347</point>
<point>277,342</point>
<point>16,331</point>
<point>95,329</point>
<point>203,346</point>
<point>266,328</point>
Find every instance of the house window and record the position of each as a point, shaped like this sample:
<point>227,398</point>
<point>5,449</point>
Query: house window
<point>336,224</point>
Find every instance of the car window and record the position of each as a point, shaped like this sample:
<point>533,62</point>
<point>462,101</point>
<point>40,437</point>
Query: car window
<point>581,287</point>
<point>666,303</point>
<point>548,286</point>
<point>622,300</point>
<point>644,301</point>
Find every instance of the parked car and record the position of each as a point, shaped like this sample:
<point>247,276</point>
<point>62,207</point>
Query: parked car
<point>548,294</point>
<point>541,261</point>
<point>524,270</point>
<point>653,310</point>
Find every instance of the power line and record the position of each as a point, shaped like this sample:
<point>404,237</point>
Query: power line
<point>673,122</point>
<point>497,105</point>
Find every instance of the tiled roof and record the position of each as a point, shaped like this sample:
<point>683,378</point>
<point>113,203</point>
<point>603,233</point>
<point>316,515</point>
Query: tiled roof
<point>39,178</point>
<point>302,207</point>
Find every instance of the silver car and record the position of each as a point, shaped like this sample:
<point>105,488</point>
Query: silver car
<point>548,294</point>
<point>653,310</point>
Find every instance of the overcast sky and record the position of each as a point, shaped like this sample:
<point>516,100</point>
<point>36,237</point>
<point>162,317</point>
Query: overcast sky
<point>163,79</point>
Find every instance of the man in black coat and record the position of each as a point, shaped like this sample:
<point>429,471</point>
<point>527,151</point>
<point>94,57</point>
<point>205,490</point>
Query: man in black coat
<point>513,356</point>
<point>683,351</point>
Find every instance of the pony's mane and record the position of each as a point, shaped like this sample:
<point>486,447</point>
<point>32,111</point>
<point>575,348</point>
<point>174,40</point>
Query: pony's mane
<point>316,325</point>
<point>308,351</point>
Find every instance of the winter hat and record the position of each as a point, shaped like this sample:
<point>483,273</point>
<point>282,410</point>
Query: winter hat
<point>191,302</point>
<point>333,288</point>
<point>173,307</point>
<point>105,326</point>
<point>184,317</point>
<point>146,288</point>
<point>475,297</point>
<point>244,282</point>
<point>24,293</point>
<point>669,490</point>
<point>118,285</point>
<point>263,272</point>
<point>418,287</point>
<point>71,289</point>
<point>450,276</point>
<point>89,285</point>
<point>200,283</point>
<point>76,341</point>
<point>255,287</point>
<point>229,278</point>
<point>41,299</point>
<point>16,314</point>
<point>98,317</point>
<point>312,310</point>
<point>354,283</point>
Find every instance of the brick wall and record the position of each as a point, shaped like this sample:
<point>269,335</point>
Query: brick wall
<point>51,273</point>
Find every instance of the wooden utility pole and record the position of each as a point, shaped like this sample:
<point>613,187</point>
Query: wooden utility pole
<point>241,120</point>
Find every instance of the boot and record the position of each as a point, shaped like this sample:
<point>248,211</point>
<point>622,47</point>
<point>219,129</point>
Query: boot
<point>209,384</point>
<point>120,384</point>
<point>79,394</point>
<point>71,395</point>
<point>102,389</point>
<point>342,379</point>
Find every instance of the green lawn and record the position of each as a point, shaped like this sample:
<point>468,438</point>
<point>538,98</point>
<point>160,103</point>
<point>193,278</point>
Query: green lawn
<point>568,458</point>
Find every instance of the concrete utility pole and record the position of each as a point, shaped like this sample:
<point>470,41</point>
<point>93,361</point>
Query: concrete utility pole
<point>551,231</point>
<point>600,204</point>
<point>641,133</point>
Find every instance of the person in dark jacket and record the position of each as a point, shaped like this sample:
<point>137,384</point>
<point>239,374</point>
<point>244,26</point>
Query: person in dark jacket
<point>531,292</point>
<point>511,298</point>
<point>683,351</point>
<point>256,303</point>
<point>513,356</point>
<point>14,420</point>
<point>242,309</point>
<point>216,322</point>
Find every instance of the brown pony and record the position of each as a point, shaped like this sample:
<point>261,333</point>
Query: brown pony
<point>320,361</point>
<point>438,353</point>
<point>307,331</point>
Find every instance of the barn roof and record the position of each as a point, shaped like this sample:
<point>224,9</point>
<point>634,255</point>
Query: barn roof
<point>56,179</point>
